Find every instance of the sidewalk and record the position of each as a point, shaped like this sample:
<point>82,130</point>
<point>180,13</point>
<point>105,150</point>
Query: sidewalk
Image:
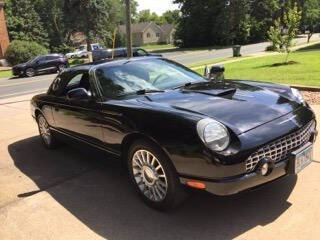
<point>4,68</point>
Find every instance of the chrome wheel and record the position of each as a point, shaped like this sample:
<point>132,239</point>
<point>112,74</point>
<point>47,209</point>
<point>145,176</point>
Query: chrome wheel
<point>30,72</point>
<point>149,175</point>
<point>44,130</point>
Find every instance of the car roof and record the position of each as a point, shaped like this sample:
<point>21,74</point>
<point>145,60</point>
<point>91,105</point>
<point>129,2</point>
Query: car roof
<point>51,54</point>
<point>123,48</point>
<point>106,63</point>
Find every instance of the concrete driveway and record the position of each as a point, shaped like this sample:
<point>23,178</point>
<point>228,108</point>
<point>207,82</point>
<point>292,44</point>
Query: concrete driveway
<point>71,194</point>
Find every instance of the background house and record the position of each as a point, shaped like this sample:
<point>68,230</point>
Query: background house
<point>4,38</point>
<point>150,33</point>
<point>168,33</point>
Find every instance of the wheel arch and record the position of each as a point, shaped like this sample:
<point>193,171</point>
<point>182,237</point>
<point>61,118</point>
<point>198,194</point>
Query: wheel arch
<point>37,112</point>
<point>131,138</point>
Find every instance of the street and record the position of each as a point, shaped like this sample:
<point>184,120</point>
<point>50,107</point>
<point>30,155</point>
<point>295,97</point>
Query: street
<point>18,86</point>
<point>73,194</point>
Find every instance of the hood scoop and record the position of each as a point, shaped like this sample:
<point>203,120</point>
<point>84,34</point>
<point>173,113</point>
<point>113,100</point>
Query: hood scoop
<point>239,106</point>
<point>214,92</point>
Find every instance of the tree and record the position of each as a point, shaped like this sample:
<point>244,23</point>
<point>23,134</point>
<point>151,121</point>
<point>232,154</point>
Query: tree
<point>95,18</point>
<point>274,35</point>
<point>284,41</point>
<point>54,15</point>
<point>236,22</point>
<point>24,23</point>
<point>171,17</point>
<point>263,13</point>
<point>147,16</point>
<point>311,16</point>
<point>144,16</point>
<point>291,20</point>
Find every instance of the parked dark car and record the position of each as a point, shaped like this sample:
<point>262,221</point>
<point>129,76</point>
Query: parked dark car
<point>121,53</point>
<point>174,128</point>
<point>40,64</point>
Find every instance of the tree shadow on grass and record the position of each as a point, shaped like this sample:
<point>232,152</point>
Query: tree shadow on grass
<point>98,193</point>
<point>279,64</point>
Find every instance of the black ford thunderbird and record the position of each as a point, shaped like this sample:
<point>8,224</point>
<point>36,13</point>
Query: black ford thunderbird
<point>174,128</point>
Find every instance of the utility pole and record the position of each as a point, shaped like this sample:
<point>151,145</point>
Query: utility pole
<point>128,27</point>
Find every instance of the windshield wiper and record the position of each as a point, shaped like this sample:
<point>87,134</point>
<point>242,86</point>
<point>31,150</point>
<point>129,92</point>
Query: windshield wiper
<point>188,84</point>
<point>144,91</point>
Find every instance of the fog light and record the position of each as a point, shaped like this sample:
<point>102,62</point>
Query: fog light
<point>264,169</point>
<point>265,166</point>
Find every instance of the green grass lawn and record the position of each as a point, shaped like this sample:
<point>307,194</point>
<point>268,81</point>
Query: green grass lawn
<point>305,72</point>
<point>5,74</point>
<point>75,61</point>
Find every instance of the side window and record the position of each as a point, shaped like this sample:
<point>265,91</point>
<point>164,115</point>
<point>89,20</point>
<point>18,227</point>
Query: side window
<point>74,82</point>
<point>41,59</point>
<point>80,80</point>
<point>48,58</point>
<point>141,52</point>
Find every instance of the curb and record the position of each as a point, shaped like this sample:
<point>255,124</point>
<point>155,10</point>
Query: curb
<point>306,88</point>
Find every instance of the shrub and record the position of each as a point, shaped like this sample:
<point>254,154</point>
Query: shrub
<point>271,48</point>
<point>63,48</point>
<point>22,51</point>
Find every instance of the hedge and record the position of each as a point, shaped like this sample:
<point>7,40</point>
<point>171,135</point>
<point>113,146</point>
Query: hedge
<point>22,51</point>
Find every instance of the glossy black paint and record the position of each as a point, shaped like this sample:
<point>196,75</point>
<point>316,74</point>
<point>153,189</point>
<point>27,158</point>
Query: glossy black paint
<point>44,63</point>
<point>253,112</point>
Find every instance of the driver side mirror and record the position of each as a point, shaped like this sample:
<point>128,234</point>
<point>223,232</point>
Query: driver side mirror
<point>214,73</point>
<point>78,93</point>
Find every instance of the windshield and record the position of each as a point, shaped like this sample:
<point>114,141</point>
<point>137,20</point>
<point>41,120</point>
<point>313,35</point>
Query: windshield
<point>34,59</point>
<point>150,74</point>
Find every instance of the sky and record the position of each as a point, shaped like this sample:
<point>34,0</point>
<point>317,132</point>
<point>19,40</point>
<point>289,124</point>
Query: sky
<point>158,6</point>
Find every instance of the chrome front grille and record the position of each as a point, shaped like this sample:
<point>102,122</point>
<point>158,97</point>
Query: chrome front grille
<point>279,149</point>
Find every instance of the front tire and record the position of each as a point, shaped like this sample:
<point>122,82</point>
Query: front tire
<point>47,138</point>
<point>154,176</point>
<point>30,72</point>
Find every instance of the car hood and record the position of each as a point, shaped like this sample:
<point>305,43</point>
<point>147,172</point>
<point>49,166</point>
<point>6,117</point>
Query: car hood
<point>239,106</point>
<point>21,65</point>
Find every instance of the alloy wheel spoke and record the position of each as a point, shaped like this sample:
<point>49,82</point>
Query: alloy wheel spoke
<point>149,175</point>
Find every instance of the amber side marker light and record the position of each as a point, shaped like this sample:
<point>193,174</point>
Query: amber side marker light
<point>195,184</point>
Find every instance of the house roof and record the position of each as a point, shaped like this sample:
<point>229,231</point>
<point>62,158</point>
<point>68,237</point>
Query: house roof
<point>167,28</point>
<point>136,28</point>
<point>141,27</point>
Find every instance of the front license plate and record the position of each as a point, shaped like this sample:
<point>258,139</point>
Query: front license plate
<point>303,157</point>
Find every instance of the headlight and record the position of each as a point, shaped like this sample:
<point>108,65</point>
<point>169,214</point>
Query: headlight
<point>213,134</point>
<point>297,95</point>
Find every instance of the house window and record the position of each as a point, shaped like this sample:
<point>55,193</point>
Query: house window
<point>148,35</point>
<point>158,35</point>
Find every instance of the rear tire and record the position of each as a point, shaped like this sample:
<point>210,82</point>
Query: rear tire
<point>47,138</point>
<point>154,176</point>
<point>30,72</point>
